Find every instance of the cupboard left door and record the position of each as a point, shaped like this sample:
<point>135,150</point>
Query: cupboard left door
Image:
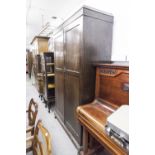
<point>59,93</point>
<point>58,49</point>
<point>72,100</point>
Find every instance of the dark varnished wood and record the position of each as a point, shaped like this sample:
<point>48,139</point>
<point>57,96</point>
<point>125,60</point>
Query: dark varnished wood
<point>40,45</point>
<point>38,63</point>
<point>59,91</point>
<point>89,12</point>
<point>39,75</point>
<point>49,93</point>
<point>59,52</point>
<point>93,118</point>
<point>110,78</point>
<point>32,112</point>
<point>73,45</point>
<point>71,103</point>
<point>29,58</point>
<point>87,37</point>
<point>110,82</point>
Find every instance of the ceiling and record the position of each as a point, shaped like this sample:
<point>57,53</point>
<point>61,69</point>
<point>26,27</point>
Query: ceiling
<point>41,12</point>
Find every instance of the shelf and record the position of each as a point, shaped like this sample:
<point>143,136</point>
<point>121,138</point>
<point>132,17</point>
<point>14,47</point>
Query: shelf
<point>40,74</point>
<point>49,64</point>
<point>50,74</point>
<point>52,97</point>
<point>50,86</point>
<point>48,67</point>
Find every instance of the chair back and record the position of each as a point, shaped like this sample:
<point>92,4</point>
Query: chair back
<point>32,112</point>
<point>42,140</point>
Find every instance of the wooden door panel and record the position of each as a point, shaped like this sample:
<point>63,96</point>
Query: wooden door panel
<point>59,89</point>
<point>59,53</point>
<point>71,103</point>
<point>73,47</point>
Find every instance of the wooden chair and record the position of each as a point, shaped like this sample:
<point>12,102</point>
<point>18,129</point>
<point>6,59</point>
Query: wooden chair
<point>32,114</point>
<point>40,141</point>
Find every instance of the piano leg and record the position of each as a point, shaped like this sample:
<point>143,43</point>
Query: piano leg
<point>90,145</point>
<point>85,141</point>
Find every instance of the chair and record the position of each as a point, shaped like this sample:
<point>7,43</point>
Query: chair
<point>40,141</point>
<point>32,114</point>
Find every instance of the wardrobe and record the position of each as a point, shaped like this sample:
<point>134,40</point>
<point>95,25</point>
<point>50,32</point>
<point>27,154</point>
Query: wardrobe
<point>81,40</point>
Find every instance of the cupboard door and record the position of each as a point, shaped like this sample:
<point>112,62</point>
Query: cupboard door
<point>73,46</point>
<point>71,103</point>
<point>59,89</point>
<point>59,53</point>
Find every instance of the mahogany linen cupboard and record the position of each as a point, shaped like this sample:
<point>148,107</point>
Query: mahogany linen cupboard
<point>83,38</point>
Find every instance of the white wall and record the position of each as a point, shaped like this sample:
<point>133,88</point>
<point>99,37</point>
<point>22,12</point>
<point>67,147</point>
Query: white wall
<point>120,11</point>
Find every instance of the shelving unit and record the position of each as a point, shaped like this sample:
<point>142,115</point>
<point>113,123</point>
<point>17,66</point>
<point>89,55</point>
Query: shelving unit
<point>40,45</point>
<point>29,58</point>
<point>39,82</point>
<point>49,91</point>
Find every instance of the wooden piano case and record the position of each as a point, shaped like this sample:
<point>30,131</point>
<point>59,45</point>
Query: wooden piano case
<point>112,91</point>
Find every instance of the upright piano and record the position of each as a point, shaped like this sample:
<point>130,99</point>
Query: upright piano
<point>112,91</point>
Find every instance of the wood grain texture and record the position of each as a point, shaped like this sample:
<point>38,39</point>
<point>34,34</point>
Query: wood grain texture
<point>71,103</point>
<point>83,38</point>
<point>73,46</point>
<point>40,44</point>
<point>59,91</point>
<point>47,68</point>
<point>40,142</point>
<point>93,118</point>
<point>32,114</point>
<point>110,84</point>
<point>59,52</point>
<point>110,94</point>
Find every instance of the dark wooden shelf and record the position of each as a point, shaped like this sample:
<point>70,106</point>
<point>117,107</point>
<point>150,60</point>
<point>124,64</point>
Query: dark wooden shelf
<point>50,74</point>
<point>49,64</point>
<point>50,86</point>
<point>48,60</point>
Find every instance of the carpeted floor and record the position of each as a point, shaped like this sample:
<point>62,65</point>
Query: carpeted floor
<point>61,144</point>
